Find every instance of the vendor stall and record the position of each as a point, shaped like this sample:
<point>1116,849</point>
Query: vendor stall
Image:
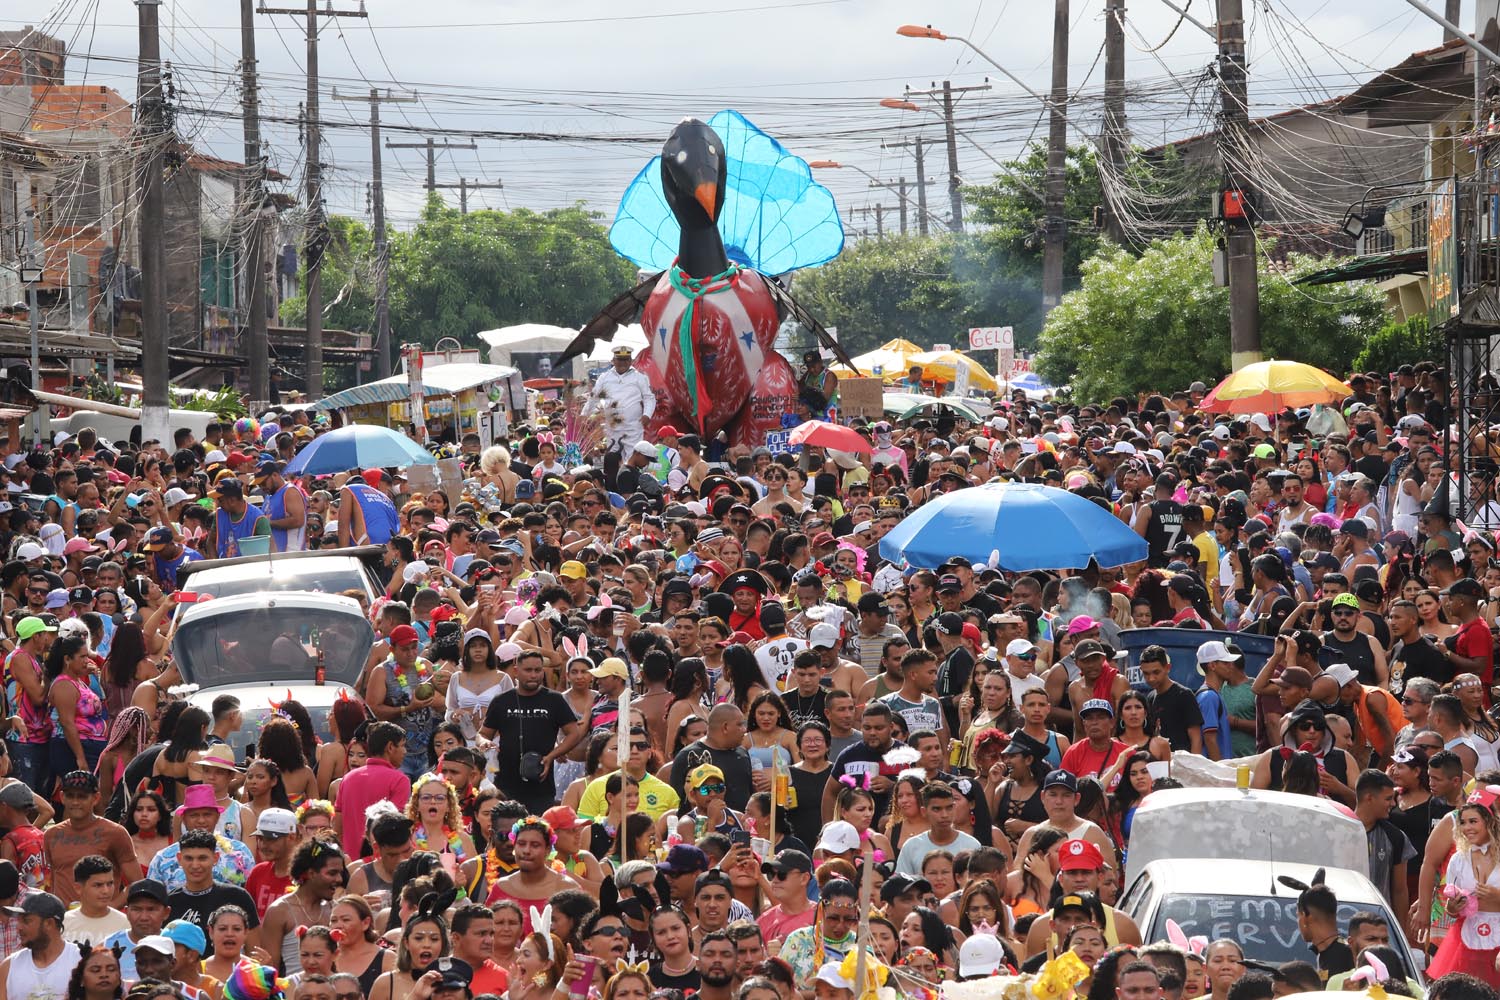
<point>460,397</point>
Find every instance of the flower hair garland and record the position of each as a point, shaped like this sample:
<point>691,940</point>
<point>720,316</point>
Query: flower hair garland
<point>533,823</point>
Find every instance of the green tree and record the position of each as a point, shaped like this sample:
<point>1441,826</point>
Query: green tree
<point>348,279</point>
<point>1400,343</point>
<point>454,274</point>
<point>1157,322</point>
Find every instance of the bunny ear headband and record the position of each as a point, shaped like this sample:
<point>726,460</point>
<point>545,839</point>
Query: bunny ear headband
<point>1195,945</point>
<point>434,905</point>
<point>541,923</point>
<point>1373,973</point>
<point>576,651</point>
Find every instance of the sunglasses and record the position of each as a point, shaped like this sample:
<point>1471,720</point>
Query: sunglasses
<point>640,746</point>
<point>714,789</point>
<point>1310,724</point>
<point>1344,611</point>
<point>610,932</point>
<point>1025,656</point>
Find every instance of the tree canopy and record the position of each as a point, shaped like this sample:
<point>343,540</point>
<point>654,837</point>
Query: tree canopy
<point>1157,322</point>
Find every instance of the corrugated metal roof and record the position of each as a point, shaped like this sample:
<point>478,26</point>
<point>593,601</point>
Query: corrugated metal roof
<point>437,380</point>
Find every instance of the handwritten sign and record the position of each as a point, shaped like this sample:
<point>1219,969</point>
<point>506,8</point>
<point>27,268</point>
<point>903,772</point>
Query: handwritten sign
<point>992,338</point>
<point>779,442</point>
<point>861,397</point>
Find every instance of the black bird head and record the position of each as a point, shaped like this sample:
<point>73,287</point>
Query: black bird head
<point>693,173</point>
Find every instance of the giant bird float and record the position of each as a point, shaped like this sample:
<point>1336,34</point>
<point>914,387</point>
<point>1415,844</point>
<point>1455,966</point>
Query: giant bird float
<point>710,317</point>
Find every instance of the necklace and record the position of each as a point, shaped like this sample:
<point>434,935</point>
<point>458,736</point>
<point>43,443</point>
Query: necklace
<point>692,961</point>
<point>455,842</point>
<point>404,683</point>
<point>307,918</point>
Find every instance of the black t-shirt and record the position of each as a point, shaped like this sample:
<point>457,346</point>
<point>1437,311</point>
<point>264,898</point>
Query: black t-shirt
<point>1372,467</point>
<point>1418,659</point>
<point>734,763</point>
<point>806,709</point>
<point>525,725</point>
<point>688,982</point>
<point>1163,529</point>
<point>953,681</point>
<point>196,908</point>
<point>984,604</point>
<point>1173,712</point>
<point>1335,959</point>
<point>860,759</point>
<point>1382,630</point>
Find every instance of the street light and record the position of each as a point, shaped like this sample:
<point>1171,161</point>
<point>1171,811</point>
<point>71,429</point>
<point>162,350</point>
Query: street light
<point>900,105</point>
<point>928,31</point>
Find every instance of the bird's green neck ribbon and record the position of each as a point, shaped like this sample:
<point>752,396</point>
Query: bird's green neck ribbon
<point>692,289</point>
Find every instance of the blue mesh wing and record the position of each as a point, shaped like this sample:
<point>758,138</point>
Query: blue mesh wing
<point>775,219</point>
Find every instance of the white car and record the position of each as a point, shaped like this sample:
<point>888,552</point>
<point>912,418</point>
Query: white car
<point>262,646</point>
<point>1222,897</point>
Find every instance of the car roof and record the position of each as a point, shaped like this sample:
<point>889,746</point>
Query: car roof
<point>1230,877</point>
<point>279,565</point>
<point>284,598</point>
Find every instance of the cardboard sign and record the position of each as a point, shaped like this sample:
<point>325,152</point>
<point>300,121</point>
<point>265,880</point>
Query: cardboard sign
<point>861,397</point>
<point>779,442</point>
<point>991,338</point>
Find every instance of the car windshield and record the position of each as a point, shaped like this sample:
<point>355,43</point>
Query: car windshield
<point>331,575</point>
<point>1264,926</point>
<point>277,643</point>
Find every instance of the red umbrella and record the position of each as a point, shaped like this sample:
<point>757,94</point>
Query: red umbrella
<point>822,434</point>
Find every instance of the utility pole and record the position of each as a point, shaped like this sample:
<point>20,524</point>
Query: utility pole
<point>253,199</point>
<point>955,194</point>
<point>900,189</point>
<point>465,185</point>
<point>317,223</point>
<point>377,200</point>
<point>431,147</point>
<point>1116,135</point>
<point>1452,10</point>
<point>1234,202</point>
<point>865,211</point>
<point>1055,234</point>
<point>151,123</point>
<point>915,143</point>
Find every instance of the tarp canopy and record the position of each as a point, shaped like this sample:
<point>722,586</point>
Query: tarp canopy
<point>437,380</point>
<point>631,336</point>
<point>529,337</point>
<point>892,358</point>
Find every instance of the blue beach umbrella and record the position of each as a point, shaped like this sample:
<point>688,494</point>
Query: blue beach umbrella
<point>1030,526</point>
<point>358,446</point>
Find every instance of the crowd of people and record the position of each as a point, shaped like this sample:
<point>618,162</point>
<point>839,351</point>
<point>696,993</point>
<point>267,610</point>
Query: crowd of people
<point>671,722</point>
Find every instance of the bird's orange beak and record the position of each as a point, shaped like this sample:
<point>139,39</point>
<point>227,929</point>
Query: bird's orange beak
<point>707,195</point>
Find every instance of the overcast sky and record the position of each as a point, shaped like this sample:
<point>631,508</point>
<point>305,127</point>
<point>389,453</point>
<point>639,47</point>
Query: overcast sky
<point>808,71</point>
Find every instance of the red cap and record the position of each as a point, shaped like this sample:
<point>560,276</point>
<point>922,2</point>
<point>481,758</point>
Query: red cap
<point>1079,856</point>
<point>240,459</point>
<point>372,477</point>
<point>564,818</point>
<point>442,613</point>
<point>669,431</point>
<point>715,567</point>
<point>736,639</point>
<point>971,632</point>
<point>403,635</point>
<point>823,538</point>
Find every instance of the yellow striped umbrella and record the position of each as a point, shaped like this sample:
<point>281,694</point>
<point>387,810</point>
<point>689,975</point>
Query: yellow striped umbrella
<point>1270,386</point>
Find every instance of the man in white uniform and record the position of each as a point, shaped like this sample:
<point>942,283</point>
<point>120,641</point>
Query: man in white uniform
<point>625,401</point>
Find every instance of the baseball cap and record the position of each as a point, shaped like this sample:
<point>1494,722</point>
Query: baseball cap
<point>158,539</point>
<point>1097,705</point>
<point>612,666</point>
<point>1060,779</point>
<point>1215,652</point>
<point>564,818</point>
<point>228,488</point>
<point>17,795</point>
<point>899,885</point>
<point>46,906</point>
<point>949,623</point>
<point>187,934</point>
<point>403,635</point>
<point>703,773</point>
<point>1294,677</point>
<point>573,570</point>
<point>1087,649</point>
<point>1078,855</point>
<point>150,888</point>
<point>1346,601</point>
<point>1019,647</point>
<point>970,631</point>
<point>80,781</point>
<point>159,943</point>
<point>980,955</point>
<point>177,495</point>
<point>787,861</point>
<point>80,595</point>
<point>683,858</point>
<point>27,551</point>
<point>838,837</point>
<point>949,583</point>
<point>276,823</point>
<point>823,636</point>
<point>1264,451</point>
<point>1081,623</point>
<point>30,626</point>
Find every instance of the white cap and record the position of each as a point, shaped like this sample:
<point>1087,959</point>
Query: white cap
<point>696,507</point>
<point>1019,647</point>
<point>1000,423</point>
<point>507,651</point>
<point>60,437</point>
<point>518,615</point>
<point>29,551</point>
<point>838,837</point>
<point>1220,432</point>
<point>823,636</point>
<point>1215,652</point>
<point>159,943</point>
<point>177,495</point>
<point>865,525</point>
<point>1261,420</point>
<point>215,457</point>
<point>414,572</point>
<point>645,449</point>
<point>830,974</point>
<point>13,460</point>
<point>279,822</point>
<point>1342,673</point>
<point>1123,448</point>
<point>981,955</point>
